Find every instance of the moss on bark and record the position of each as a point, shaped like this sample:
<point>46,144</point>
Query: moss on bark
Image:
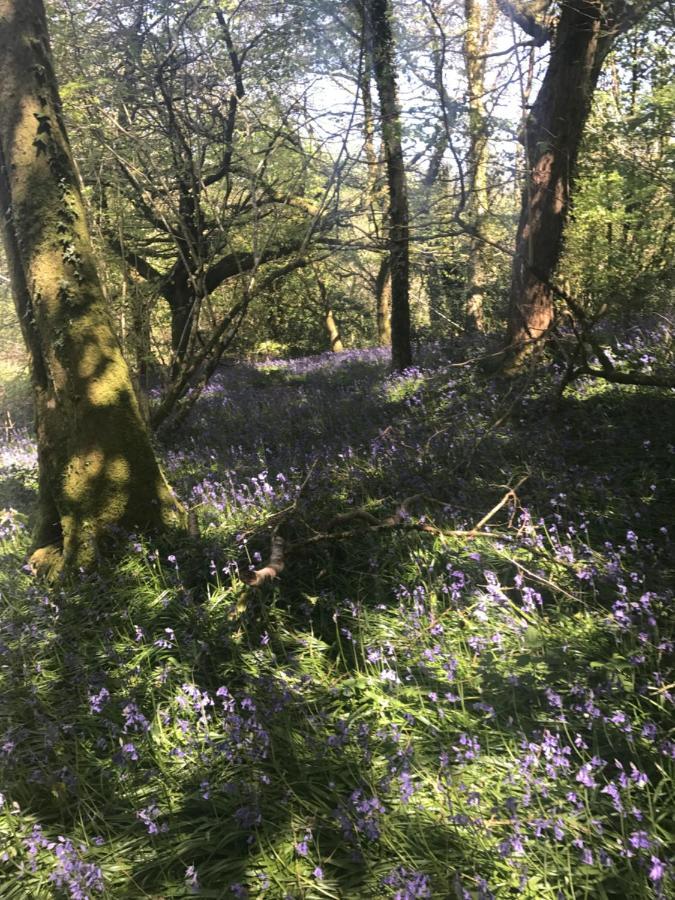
<point>98,470</point>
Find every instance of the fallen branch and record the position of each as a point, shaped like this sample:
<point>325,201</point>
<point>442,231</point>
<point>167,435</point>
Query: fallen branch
<point>390,525</point>
<point>400,521</point>
<point>637,378</point>
<point>280,550</point>
<point>354,515</point>
<point>272,570</point>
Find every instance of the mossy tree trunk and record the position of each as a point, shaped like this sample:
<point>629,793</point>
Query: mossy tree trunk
<point>97,469</point>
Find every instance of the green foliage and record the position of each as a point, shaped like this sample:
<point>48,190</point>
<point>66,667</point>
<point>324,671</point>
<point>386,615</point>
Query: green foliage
<point>621,240</point>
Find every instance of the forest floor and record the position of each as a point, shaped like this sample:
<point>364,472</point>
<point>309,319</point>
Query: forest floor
<point>405,712</point>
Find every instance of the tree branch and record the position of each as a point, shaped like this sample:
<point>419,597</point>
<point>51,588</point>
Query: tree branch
<point>525,20</point>
<point>141,265</point>
<point>272,570</point>
<point>237,263</point>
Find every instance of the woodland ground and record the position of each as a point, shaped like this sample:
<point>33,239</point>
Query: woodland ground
<point>402,713</point>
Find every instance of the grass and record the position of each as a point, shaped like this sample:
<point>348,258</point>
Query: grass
<point>401,714</point>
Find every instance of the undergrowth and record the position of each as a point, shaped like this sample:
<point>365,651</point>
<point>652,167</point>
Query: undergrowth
<point>401,714</point>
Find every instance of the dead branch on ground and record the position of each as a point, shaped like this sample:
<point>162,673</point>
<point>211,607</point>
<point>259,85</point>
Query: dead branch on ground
<point>399,521</point>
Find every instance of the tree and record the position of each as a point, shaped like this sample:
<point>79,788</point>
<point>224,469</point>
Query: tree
<point>479,26</point>
<point>209,176</point>
<point>583,35</point>
<point>376,201</point>
<point>377,15</point>
<point>620,243</point>
<point>97,469</point>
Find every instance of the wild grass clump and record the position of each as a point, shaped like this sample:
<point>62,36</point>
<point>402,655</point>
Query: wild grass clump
<point>402,714</point>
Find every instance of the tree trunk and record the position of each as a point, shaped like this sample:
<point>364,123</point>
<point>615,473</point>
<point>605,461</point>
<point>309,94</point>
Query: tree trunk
<point>97,469</point>
<point>334,338</point>
<point>336,344</point>
<point>552,139</point>
<point>476,43</point>
<point>380,32</point>
<point>369,137</point>
<point>180,296</point>
<point>383,302</point>
<point>377,203</point>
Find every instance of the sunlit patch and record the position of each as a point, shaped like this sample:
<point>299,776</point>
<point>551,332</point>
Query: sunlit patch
<point>82,470</point>
<point>105,389</point>
<point>91,359</point>
<point>117,470</point>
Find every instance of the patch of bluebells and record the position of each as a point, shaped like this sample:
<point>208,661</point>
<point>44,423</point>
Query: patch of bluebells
<point>11,523</point>
<point>70,872</point>
<point>361,816</point>
<point>405,884</point>
<point>150,817</point>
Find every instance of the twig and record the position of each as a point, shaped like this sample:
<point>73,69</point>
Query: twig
<point>509,495</point>
<point>541,579</point>
<point>353,515</point>
<point>397,522</point>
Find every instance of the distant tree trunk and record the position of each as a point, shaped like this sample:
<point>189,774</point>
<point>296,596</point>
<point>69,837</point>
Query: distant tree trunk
<point>336,344</point>
<point>97,469</point>
<point>477,36</point>
<point>383,302</point>
<point>378,211</point>
<point>369,135</point>
<point>182,299</point>
<point>378,17</point>
<point>141,340</point>
<point>553,134</point>
<point>439,144</point>
<point>334,338</point>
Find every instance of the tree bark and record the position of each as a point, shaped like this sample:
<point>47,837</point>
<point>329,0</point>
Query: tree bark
<point>97,469</point>
<point>378,17</point>
<point>334,338</point>
<point>376,200</point>
<point>383,302</point>
<point>477,36</point>
<point>552,138</point>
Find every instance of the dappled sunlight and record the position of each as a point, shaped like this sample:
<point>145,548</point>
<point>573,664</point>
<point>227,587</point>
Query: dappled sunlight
<point>400,627</point>
<point>117,471</point>
<point>109,379</point>
<point>92,358</point>
<point>27,121</point>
